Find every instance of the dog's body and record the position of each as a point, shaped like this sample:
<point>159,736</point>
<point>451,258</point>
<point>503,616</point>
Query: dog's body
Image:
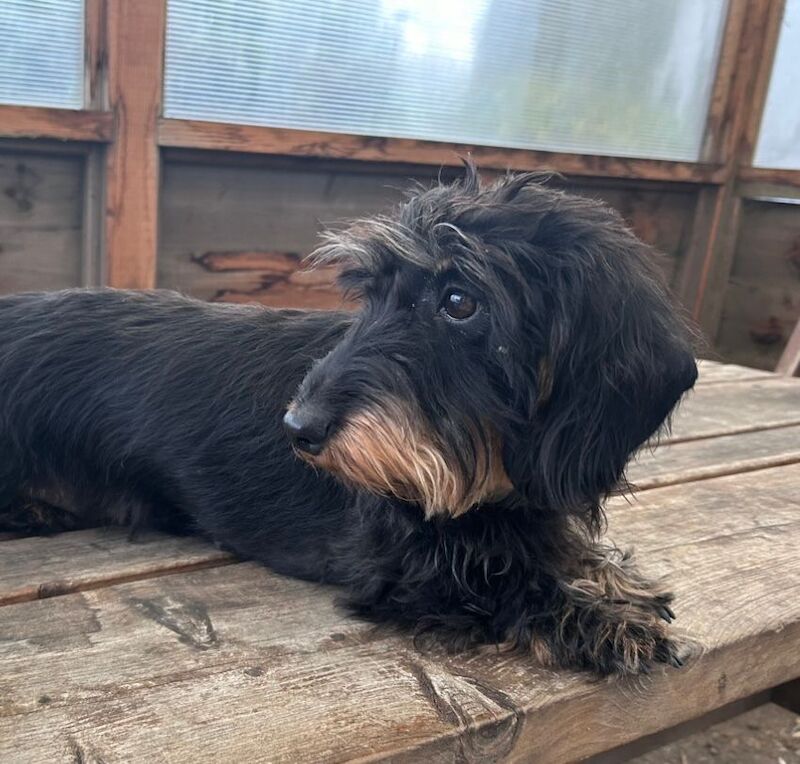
<point>513,349</point>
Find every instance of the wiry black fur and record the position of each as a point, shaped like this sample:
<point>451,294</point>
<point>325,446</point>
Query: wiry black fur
<point>155,408</point>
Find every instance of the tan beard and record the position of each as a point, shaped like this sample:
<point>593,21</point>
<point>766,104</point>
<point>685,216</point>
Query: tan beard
<point>389,450</point>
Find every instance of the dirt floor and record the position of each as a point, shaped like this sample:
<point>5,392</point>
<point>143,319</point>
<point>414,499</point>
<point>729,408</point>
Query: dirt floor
<point>766,735</point>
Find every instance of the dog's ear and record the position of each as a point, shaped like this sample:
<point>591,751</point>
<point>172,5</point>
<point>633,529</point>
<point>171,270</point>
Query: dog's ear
<point>618,359</point>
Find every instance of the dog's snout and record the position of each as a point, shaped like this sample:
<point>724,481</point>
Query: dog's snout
<point>308,428</point>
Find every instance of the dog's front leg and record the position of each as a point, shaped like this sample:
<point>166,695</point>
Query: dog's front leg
<point>607,617</point>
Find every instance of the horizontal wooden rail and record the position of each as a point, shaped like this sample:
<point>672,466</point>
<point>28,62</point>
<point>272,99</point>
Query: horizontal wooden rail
<point>58,124</point>
<point>767,175</point>
<point>180,133</point>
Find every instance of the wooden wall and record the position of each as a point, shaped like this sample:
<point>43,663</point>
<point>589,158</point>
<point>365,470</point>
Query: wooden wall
<point>238,233</point>
<point>41,211</point>
<point>762,299</point>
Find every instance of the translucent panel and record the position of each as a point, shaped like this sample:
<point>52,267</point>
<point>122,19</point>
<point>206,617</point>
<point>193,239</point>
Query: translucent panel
<point>619,77</point>
<point>779,139</point>
<point>41,52</point>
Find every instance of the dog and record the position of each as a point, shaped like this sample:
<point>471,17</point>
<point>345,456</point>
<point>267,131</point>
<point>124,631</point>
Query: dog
<point>443,453</point>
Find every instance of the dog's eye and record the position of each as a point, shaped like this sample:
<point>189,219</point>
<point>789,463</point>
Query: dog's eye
<point>459,305</point>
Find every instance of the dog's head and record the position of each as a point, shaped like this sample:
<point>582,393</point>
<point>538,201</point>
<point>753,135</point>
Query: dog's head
<point>513,342</point>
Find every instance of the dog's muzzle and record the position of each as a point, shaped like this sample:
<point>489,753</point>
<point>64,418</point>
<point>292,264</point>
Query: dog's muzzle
<point>308,428</point>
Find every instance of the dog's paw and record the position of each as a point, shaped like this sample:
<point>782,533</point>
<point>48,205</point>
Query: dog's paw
<point>635,647</point>
<point>618,637</point>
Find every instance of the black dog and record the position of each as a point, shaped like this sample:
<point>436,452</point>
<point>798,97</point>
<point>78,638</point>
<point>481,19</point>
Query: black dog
<point>513,348</point>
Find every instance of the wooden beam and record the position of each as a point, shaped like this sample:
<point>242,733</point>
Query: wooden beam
<point>789,178</point>
<point>58,124</point>
<point>136,53</point>
<point>718,142</point>
<point>95,55</point>
<point>762,69</point>
<point>743,75</point>
<point>192,134</point>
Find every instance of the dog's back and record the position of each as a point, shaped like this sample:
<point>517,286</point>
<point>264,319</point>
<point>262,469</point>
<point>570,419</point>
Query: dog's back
<point>141,407</point>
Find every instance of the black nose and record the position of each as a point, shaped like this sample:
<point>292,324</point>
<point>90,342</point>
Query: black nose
<point>308,428</point>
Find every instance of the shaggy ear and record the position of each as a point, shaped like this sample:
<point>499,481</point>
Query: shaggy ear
<point>618,361</point>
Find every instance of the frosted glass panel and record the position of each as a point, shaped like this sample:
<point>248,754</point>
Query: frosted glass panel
<point>620,77</point>
<point>779,138</point>
<point>41,52</point>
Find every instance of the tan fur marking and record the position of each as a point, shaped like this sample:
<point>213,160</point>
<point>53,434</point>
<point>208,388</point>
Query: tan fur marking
<point>625,602</point>
<point>389,450</point>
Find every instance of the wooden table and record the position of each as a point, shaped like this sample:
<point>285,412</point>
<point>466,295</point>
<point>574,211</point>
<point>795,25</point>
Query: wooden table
<point>169,650</point>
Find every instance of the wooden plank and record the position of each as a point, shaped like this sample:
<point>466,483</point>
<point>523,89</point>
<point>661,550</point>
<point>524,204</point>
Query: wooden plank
<point>727,408</point>
<point>238,663</point>
<point>717,143</point>
<point>770,176</point>
<point>57,124</point>
<point>713,372</point>
<point>305,143</point>
<point>710,457</point>
<point>762,69</point>
<point>35,568</point>
<point>40,218</point>
<point>239,234</point>
<point>789,362</point>
<point>135,69</point>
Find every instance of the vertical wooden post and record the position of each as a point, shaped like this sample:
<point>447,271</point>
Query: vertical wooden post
<point>135,69</point>
<point>95,98</point>
<point>739,94</point>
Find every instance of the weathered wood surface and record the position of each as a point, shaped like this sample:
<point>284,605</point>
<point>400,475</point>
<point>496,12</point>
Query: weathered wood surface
<point>33,568</point>
<point>709,457</point>
<point>40,221</point>
<point>239,234</point>
<point>237,663</point>
<point>59,124</point>
<point>730,407</point>
<point>712,372</point>
<point>184,133</point>
<point>135,73</point>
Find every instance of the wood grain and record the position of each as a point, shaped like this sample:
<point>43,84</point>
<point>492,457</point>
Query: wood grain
<point>305,143</point>
<point>238,663</point>
<point>95,54</point>
<point>713,372</point>
<point>40,221</point>
<point>36,568</point>
<point>710,457</point>
<point>731,407</point>
<point>237,233</point>
<point>135,70</point>
<point>56,124</point>
<point>717,143</point>
<point>766,175</point>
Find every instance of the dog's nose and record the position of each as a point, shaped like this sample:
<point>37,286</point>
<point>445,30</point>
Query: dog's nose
<point>308,428</point>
